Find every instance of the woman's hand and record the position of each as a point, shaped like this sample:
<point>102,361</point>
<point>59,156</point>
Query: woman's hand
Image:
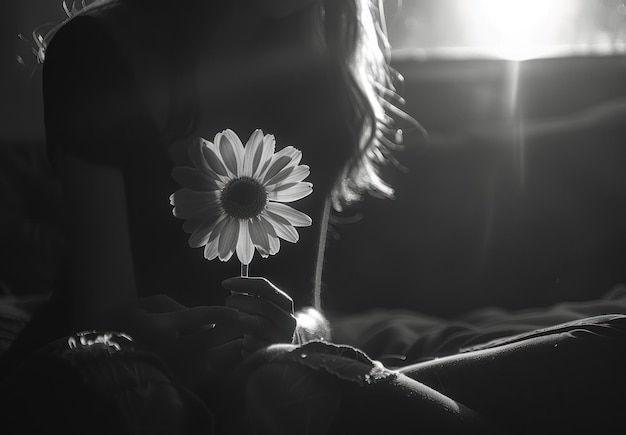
<point>198,343</point>
<point>266,313</point>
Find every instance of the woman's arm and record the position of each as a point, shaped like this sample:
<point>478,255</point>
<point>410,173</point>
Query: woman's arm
<point>95,120</point>
<point>87,131</point>
<point>100,260</point>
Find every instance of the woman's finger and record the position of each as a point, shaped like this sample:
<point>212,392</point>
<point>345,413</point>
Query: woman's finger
<point>262,308</point>
<point>159,304</point>
<point>191,318</point>
<point>210,338</point>
<point>260,287</point>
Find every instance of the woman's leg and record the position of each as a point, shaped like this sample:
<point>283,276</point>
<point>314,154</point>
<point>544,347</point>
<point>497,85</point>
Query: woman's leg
<point>561,380</point>
<point>326,389</point>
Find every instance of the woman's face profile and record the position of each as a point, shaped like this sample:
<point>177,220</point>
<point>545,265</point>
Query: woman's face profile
<point>280,8</point>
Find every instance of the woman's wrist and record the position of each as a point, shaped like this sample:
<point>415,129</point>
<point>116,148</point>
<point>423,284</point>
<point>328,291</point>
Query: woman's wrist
<point>311,325</point>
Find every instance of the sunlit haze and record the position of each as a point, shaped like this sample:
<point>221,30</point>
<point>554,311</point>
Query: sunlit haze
<point>509,29</point>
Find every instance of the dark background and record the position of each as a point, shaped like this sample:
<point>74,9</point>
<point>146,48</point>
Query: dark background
<point>516,206</point>
<point>20,87</point>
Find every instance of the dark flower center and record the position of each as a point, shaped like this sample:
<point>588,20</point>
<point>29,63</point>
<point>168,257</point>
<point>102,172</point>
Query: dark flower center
<point>243,198</point>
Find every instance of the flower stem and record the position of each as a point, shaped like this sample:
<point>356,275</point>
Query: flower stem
<point>244,270</point>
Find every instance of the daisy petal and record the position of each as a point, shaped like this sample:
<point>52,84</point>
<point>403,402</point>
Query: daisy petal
<point>287,232</point>
<point>188,202</point>
<point>217,230</point>
<point>277,165</point>
<point>193,222</point>
<point>245,248</point>
<point>289,175</point>
<point>274,245</point>
<point>259,237</point>
<point>267,226</point>
<point>282,175</point>
<point>291,193</point>
<point>200,235</point>
<point>293,153</point>
<point>194,179</point>
<point>210,250</point>
<point>252,153</point>
<point>267,151</point>
<point>214,161</point>
<point>228,239</point>
<point>295,217</point>
<point>274,241</point>
<point>200,216</point>
<point>283,228</point>
<point>186,195</point>
<point>299,173</point>
<point>274,218</point>
<point>190,225</point>
<point>196,155</point>
<point>296,156</point>
<point>231,150</point>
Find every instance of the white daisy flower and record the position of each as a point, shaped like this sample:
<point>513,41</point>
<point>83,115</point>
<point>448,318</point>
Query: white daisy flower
<point>233,197</point>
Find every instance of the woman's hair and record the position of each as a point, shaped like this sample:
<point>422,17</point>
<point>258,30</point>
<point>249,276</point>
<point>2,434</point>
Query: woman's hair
<point>356,37</point>
<point>354,34</point>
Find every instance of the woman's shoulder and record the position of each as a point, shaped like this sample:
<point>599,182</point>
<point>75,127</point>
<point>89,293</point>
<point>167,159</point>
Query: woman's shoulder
<point>116,41</point>
<point>87,72</point>
<point>80,36</point>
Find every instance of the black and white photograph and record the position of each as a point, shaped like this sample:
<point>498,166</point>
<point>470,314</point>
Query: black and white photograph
<point>312,217</point>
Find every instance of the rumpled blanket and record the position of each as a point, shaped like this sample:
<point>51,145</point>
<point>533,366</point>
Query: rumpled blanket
<point>401,337</point>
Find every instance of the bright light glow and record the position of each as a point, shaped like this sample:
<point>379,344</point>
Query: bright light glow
<point>509,29</point>
<point>518,29</point>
